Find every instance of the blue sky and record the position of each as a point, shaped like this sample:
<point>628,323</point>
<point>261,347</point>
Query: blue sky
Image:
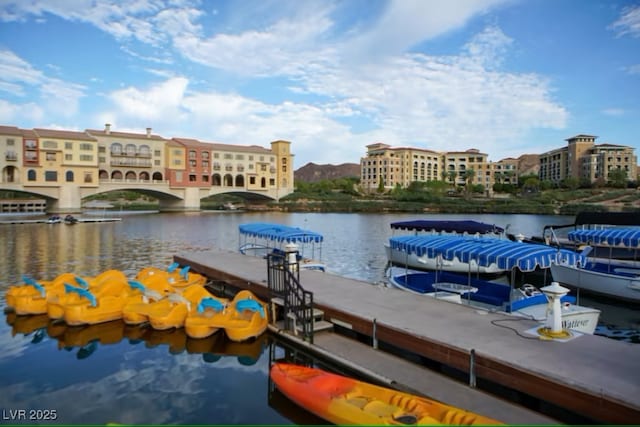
<point>507,77</point>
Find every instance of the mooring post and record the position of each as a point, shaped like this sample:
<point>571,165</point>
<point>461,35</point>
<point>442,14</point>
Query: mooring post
<point>375,339</point>
<point>472,369</point>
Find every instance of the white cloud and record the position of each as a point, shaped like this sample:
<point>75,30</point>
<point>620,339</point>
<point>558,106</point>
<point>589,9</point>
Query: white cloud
<point>632,69</point>
<point>160,101</point>
<point>405,23</point>
<point>613,111</point>
<point>628,23</point>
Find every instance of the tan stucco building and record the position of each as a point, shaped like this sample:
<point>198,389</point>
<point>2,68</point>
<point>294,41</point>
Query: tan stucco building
<point>585,160</point>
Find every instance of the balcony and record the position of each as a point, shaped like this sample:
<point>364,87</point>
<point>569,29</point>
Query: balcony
<point>10,156</point>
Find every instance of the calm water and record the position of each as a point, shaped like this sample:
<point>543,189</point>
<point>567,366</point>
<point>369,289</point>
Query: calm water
<point>114,373</point>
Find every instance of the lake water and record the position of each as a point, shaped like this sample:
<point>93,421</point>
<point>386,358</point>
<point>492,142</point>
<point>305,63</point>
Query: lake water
<point>115,373</point>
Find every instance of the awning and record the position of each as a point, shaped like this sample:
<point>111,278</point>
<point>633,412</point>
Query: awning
<point>462,226</point>
<point>506,254</point>
<point>623,236</point>
<point>279,233</point>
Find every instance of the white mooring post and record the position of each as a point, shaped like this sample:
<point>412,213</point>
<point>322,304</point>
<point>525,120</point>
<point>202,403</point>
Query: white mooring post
<point>553,325</point>
<point>291,251</point>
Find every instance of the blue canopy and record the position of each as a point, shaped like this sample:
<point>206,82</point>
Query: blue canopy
<point>506,254</point>
<point>279,233</point>
<point>461,226</point>
<point>622,236</point>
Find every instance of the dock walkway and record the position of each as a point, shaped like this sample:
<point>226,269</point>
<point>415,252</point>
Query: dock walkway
<point>589,375</point>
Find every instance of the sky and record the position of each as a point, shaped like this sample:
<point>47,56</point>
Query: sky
<point>506,77</point>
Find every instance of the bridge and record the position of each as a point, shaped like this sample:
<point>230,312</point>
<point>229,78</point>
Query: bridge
<point>67,198</point>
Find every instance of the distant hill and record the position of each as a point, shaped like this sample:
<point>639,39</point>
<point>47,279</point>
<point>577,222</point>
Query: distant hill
<point>312,172</point>
<point>529,164</point>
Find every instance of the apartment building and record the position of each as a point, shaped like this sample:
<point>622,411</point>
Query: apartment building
<point>585,160</point>
<point>400,166</point>
<point>11,158</point>
<point>130,156</point>
<point>55,157</point>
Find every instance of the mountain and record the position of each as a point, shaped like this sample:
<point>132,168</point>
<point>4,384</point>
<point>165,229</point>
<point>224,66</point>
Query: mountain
<point>528,164</point>
<point>312,172</point>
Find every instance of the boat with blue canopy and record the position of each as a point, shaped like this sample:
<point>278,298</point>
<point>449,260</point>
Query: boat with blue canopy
<point>472,254</point>
<point>261,238</point>
<point>611,277</point>
<point>448,226</point>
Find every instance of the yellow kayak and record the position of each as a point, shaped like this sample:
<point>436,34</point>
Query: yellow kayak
<point>343,400</point>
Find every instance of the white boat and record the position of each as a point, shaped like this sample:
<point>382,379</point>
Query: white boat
<point>556,235</point>
<point>525,301</point>
<point>400,249</point>
<point>618,279</point>
<point>260,239</point>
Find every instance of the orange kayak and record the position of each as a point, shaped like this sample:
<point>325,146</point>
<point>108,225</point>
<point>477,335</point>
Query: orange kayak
<point>343,400</point>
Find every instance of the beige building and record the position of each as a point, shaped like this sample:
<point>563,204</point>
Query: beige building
<point>584,160</point>
<point>400,166</point>
<point>11,158</point>
<point>59,157</point>
<point>130,156</point>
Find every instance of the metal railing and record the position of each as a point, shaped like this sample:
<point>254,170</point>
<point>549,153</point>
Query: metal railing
<point>284,282</point>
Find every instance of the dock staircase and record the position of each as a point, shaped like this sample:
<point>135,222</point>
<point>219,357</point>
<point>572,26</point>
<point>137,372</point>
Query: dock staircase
<point>300,317</point>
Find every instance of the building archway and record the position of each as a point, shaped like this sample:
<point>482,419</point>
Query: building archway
<point>216,180</point>
<point>116,175</point>
<point>239,181</point>
<point>228,180</point>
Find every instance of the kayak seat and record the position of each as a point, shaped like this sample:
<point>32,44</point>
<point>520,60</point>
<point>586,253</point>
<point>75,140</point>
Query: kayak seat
<point>379,408</point>
<point>357,401</point>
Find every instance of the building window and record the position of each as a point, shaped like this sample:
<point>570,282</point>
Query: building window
<point>192,154</point>
<point>31,175</point>
<point>86,158</point>
<point>51,176</point>
<point>192,163</point>
<point>192,178</point>
<point>68,176</point>
<point>68,157</point>
<point>68,145</point>
<point>50,144</point>
<point>10,141</point>
<point>252,180</point>
<point>88,177</point>
<point>51,157</point>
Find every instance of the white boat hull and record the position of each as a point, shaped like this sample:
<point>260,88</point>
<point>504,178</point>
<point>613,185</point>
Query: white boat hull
<point>574,317</point>
<point>411,260</point>
<point>611,285</point>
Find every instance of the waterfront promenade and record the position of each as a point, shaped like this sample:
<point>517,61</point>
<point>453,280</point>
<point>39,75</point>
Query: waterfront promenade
<point>589,375</point>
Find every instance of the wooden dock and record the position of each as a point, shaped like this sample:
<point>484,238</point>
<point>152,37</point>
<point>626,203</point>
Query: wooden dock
<point>593,376</point>
<point>45,220</point>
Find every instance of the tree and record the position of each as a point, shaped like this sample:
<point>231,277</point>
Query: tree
<point>451,175</point>
<point>617,178</point>
<point>468,177</point>
<point>381,185</point>
<point>531,185</point>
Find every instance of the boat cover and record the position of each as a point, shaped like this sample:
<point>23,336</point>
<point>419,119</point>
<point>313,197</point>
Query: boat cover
<point>463,226</point>
<point>485,251</point>
<point>622,236</point>
<point>280,233</point>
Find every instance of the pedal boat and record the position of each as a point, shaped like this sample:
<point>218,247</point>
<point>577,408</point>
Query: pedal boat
<point>343,400</point>
<point>31,296</point>
<point>244,318</point>
<point>110,282</point>
<point>109,306</point>
<point>178,278</point>
<point>172,311</point>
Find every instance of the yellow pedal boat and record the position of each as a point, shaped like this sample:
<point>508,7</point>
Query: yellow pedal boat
<point>110,282</point>
<point>175,276</point>
<point>343,400</point>
<point>171,312</point>
<point>244,318</point>
<point>31,297</point>
<point>109,305</point>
